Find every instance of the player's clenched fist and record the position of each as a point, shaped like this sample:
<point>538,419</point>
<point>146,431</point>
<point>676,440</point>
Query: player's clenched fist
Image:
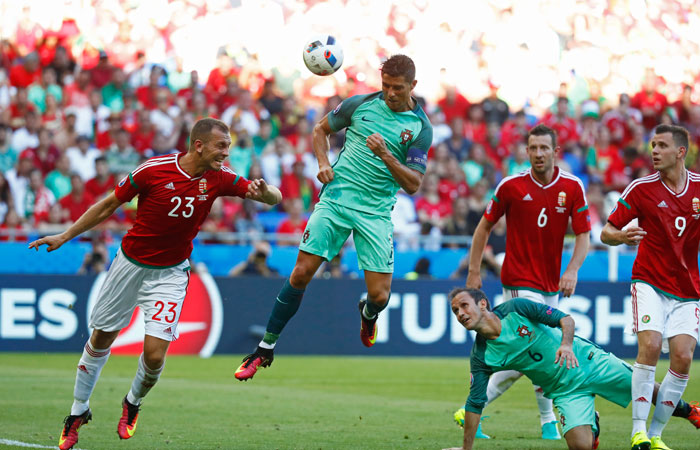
<point>375,142</point>
<point>325,174</point>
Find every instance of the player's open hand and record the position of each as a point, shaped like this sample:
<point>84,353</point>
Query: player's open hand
<point>325,174</point>
<point>260,191</point>
<point>375,142</point>
<point>565,355</point>
<point>52,242</point>
<point>632,236</point>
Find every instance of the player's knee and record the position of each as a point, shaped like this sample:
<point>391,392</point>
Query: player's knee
<point>649,353</point>
<point>154,359</point>
<point>681,360</point>
<point>379,297</point>
<point>301,276</point>
<point>103,339</point>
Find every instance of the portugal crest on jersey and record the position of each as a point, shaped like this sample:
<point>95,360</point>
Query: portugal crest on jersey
<point>203,185</point>
<point>406,136</point>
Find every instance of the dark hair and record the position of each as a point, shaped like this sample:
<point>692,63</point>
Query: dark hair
<point>100,159</point>
<point>476,294</point>
<point>543,130</point>
<point>202,129</point>
<point>681,137</point>
<point>400,66</point>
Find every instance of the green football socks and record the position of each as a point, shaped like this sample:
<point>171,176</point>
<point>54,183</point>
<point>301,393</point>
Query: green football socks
<point>286,305</point>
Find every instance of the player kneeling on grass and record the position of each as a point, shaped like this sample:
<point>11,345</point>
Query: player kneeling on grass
<point>151,268</point>
<point>539,341</point>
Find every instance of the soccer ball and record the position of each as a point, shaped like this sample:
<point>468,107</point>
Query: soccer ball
<point>322,55</point>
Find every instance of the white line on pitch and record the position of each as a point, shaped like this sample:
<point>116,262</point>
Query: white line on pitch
<point>25,444</point>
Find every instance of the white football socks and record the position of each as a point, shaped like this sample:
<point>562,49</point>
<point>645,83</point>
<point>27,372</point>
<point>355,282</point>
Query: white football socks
<point>89,367</point>
<point>499,383</point>
<point>642,394</point>
<point>144,380</point>
<point>545,406</point>
<point>667,398</point>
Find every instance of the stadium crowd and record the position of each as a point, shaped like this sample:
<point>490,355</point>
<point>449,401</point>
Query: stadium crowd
<point>76,115</point>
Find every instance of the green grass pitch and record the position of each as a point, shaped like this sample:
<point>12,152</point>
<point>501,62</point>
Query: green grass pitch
<point>298,403</point>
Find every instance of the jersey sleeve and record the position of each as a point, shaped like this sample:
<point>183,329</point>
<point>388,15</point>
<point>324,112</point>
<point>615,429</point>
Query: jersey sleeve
<point>417,155</point>
<point>537,312</point>
<point>480,374</point>
<point>133,184</point>
<point>497,205</point>
<point>580,215</point>
<point>232,184</point>
<point>624,210</point>
<point>341,116</point>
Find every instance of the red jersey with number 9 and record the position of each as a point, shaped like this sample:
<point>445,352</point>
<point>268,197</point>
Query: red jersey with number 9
<point>667,257</point>
<point>172,206</point>
<point>537,218</point>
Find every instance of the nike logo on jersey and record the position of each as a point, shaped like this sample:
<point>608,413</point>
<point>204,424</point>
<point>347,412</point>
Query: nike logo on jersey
<point>662,204</point>
<point>527,197</point>
<point>170,186</point>
<point>364,119</point>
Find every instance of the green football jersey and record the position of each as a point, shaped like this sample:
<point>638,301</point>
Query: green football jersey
<point>530,337</point>
<point>362,181</point>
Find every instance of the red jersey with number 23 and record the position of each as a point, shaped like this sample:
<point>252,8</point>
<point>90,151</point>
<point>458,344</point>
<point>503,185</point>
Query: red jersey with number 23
<point>537,218</point>
<point>667,257</point>
<point>172,206</point>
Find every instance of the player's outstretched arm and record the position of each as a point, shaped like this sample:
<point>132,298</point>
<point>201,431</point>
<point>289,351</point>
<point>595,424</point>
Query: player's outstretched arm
<point>260,191</point>
<point>476,252</point>
<point>90,218</point>
<point>567,283</point>
<point>611,235</point>
<point>565,352</point>
<point>409,179</point>
<point>321,146</point>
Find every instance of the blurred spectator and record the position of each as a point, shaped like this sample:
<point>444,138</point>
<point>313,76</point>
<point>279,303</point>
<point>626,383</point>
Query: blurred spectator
<point>216,221</point>
<point>58,180</point>
<point>622,121</point>
<point>26,72</point>
<point>188,92</point>
<point>334,268</point>
<point>37,199</point>
<point>106,138</point>
<point>46,86</point>
<point>241,155</point>
<point>453,183</point>
<point>256,264</point>
<point>605,161</point>
<point>121,156</point>
<point>430,207</point>
<point>684,105</point>
<point>263,138</point>
<point>495,109</point>
<point>294,224</point>
<point>478,199</point>
<point>216,82</point>
<point>142,137</point>
<point>242,116</point>
<point>650,101</point>
<point>45,155</point>
<point>453,105</point>
<point>458,145</point>
<point>101,74</point>
<point>517,161</point>
<point>77,93</point>
<point>19,108</point>
<point>96,260</point>
<point>113,92</point>
<point>457,224</point>
<point>566,127</point>
<point>475,127</point>
<point>269,98</point>
<point>8,155</point>
<point>13,229</point>
<point>18,179</point>
<point>103,181</point>
<point>62,64</point>
<point>421,271</point>
<point>146,94</point>
<point>247,220</point>
<point>53,222</point>
<point>28,135</point>
<point>82,158</point>
<point>52,119</point>
<point>296,185</point>
<point>405,220</point>
<point>514,131</point>
<point>67,135</point>
<point>229,97</point>
<point>478,167</point>
<point>6,200</point>
<point>164,116</point>
<point>77,202</point>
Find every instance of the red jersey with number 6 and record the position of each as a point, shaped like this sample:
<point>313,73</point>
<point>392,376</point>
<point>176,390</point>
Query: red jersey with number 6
<point>537,218</point>
<point>667,257</point>
<point>172,206</point>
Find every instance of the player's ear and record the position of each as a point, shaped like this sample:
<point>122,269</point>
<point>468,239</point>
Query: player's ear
<point>413,84</point>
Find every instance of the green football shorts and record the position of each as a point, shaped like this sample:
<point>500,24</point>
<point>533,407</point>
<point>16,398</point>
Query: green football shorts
<point>330,225</point>
<point>612,381</point>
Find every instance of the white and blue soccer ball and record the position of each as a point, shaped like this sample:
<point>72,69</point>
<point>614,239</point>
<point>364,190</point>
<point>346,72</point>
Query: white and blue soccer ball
<point>323,55</point>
